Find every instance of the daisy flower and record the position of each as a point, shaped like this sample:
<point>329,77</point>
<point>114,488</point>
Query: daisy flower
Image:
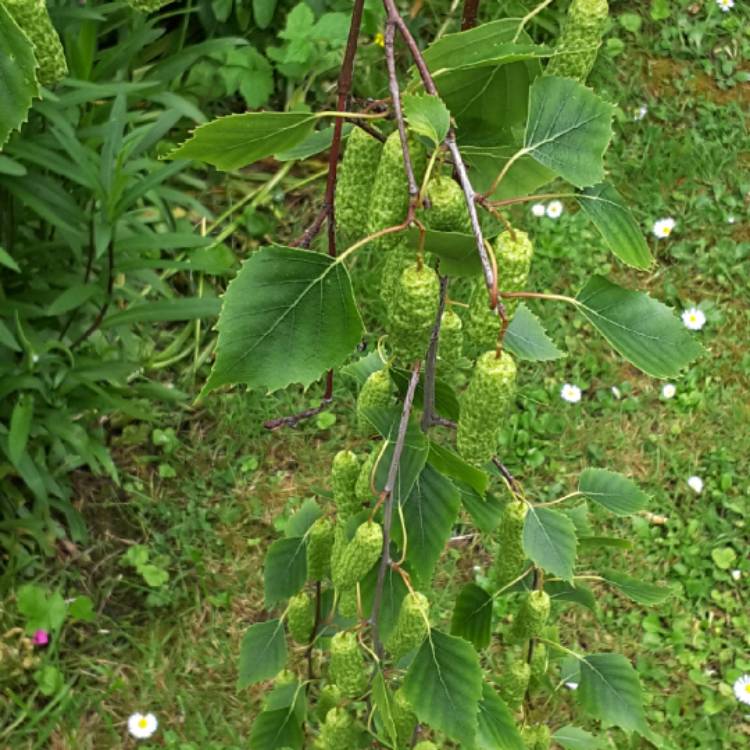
<point>663,227</point>
<point>616,392</point>
<point>641,112</point>
<point>693,318</point>
<point>668,390</point>
<point>554,209</point>
<point>736,574</point>
<point>570,393</point>
<point>725,5</point>
<point>742,689</point>
<point>571,685</point>
<point>695,484</point>
<point>142,726</point>
<point>538,210</point>
<point>731,219</point>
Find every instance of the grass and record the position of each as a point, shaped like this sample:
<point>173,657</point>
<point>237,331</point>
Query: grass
<point>205,501</point>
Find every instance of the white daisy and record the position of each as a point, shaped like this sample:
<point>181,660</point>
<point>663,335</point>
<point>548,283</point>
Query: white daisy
<point>538,210</point>
<point>668,390</point>
<point>663,227</point>
<point>571,685</point>
<point>616,392</point>
<point>641,112</point>
<point>695,484</point>
<point>554,209</point>
<point>725,5</point>
<point>570,393</point>
<point>694,318</point>
<point>742,689</point>
<point>731,219</point>
<point>142,726</point>
<point>736,574</point>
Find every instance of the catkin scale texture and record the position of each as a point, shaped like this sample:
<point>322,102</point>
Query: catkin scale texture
<point>510,555</point>
<point>483,405</point>
<point>412,314</point>
<point>531,617</point>
<point>579,40</point>
<point>404,718</point>
<point>377,393</point>
<point>447,212</point>
<point>514,682</point>
<point>33,19</point>
<point>513,252</point>
<point>347,665</point>
<point>301,617</point>
<point>354,181</point>
<point>344,472</point>
<point>358,556</point>
<point>319,546</point>
<point>338,731</point>
<point>411,625</point>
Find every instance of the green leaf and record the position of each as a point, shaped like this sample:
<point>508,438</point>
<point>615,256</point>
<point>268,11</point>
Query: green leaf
<point>82,609</point>
<point>568,130</point>
<point>611,216</point>
<point>429,513</point>
<point>472,616</point>
<point>486,511</point>
<point>49,680</point>
<point>444,685</point>
<point>184,308</point>
<point>573,738</point>
<point>72,297</point>
<point>263,11</point>
<point>394,590</point>
<point>527,339</point>
<point>285,569</point>
<point>613,491</point>
<point>549,539</point>
<point>564,592</point>
<point>276,730</point>
<point>641,329</point>
<point>452,465</point>
<point>446,403</point>
<point>7,260</point>
<point>636,589</point>
<point>427,115</point>
<point>18,84</point>
<point>262,653</point>
<point>383,701</point>
<point>20,427</point>
<point>13,168</point>
<point>236,141</point>
<point>524,177</point>
<point>609,689</point>
<point>40,609</point>
<point>285,302</point>
<point>497,729</point>
<point>457,251</point>
<point>303,519</point>
<point>413,456</point>
<point>317,141</point>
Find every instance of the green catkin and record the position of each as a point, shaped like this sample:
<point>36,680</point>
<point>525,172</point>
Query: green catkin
<point>347,665</point>
<point>377,393</point>
<point>148,6</point>
<point>411,626</point>
<point>348,603</point>
<point>319,545</point>
<point>363,486</point>
<point>354,181</point>
<point>536,738</point>
<point>33,19</point>
<point>513,252</point>
<point>482,324</point>
<point>531,617</point>
<point>359,555</point>
<point>515,681</point>
<point>447,212</point>
<point>510,555</point>
<point>579,40</point>
<point>338,731</point>
<point>450,347</point>
<point>412,314</point>
<point>285,677</point>
<point>389,201</point>
<point>301,617</point>
<point>539,663</point>
<point>329,697</point>
<point>344,472</point>
<point>483,406</point>
<point>400,257</point>
<point>339,544</point>
<point>404,718</point>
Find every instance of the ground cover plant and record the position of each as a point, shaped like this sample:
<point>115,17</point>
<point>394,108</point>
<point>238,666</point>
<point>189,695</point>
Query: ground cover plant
<point>541,448</point>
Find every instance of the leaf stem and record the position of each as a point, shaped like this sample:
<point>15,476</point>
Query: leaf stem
<point>559,500</point>
<point>541,295</point>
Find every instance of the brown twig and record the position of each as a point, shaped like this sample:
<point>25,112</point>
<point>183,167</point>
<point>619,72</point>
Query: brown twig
<point>469,18</point>
<point>428,399</point>
<point>374,132</point>
<point>292,420</point>
<point>503,469</point>
<point>311,232</point>
<point>390,483</point>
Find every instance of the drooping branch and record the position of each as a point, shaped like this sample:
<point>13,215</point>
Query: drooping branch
<point>428,401</point>
<point>387,497</point>
<point>469,18</point>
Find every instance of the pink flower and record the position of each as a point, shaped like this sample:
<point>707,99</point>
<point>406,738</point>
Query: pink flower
<point>41,638</point>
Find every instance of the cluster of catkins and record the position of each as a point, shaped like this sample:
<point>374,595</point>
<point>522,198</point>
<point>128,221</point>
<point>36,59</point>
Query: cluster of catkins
<point>345,547</point>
